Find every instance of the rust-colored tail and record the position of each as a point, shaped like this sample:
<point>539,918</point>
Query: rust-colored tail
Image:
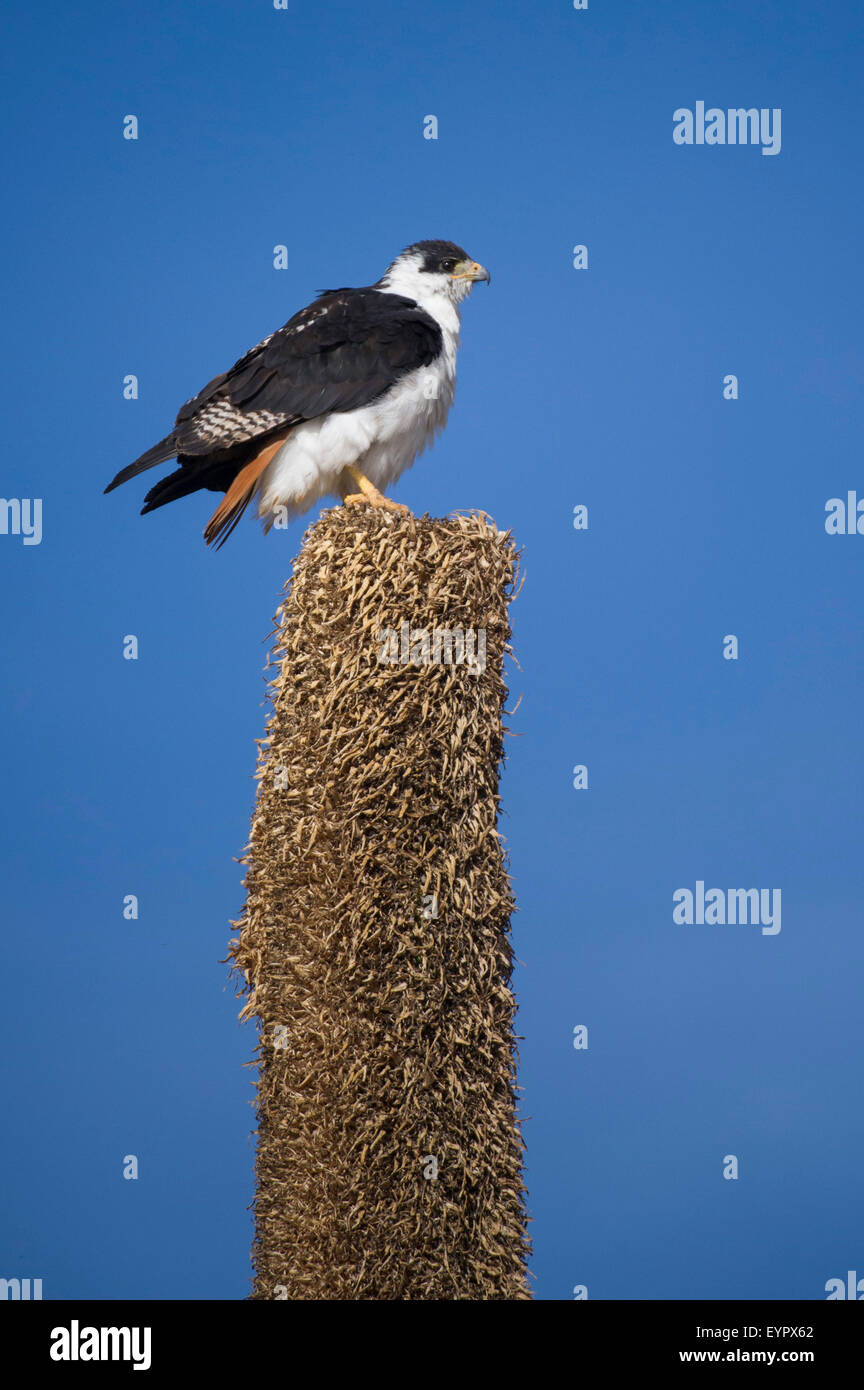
<point>238,496</point>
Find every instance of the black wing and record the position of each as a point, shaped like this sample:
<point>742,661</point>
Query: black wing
<point>340,353</point>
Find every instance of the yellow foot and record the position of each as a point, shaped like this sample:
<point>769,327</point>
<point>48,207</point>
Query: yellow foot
<point>369,494</point>
<point>376,499</point>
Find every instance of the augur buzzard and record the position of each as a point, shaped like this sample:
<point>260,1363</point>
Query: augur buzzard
<point>338,402</point>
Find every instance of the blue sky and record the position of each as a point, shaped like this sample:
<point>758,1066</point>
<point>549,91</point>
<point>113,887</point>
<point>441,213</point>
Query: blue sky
<point>601,387</point>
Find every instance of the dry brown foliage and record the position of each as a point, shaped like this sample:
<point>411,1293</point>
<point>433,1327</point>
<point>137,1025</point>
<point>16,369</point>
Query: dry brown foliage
<point>386,1031</point>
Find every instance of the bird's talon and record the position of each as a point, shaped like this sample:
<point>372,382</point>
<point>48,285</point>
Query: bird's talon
<point>375,499</point>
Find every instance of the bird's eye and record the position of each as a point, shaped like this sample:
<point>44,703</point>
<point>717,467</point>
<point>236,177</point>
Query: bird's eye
<point>447,265</point>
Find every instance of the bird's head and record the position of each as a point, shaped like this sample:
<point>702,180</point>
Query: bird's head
<point>434,268</point>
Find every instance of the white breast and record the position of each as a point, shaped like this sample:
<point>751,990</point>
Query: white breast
<point>382,439</point>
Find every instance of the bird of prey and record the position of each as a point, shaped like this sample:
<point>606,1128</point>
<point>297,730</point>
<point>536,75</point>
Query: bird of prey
<point>339,402</point>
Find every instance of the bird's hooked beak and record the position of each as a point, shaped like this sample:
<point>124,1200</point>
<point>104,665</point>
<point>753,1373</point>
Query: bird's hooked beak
<point>471,270</point>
